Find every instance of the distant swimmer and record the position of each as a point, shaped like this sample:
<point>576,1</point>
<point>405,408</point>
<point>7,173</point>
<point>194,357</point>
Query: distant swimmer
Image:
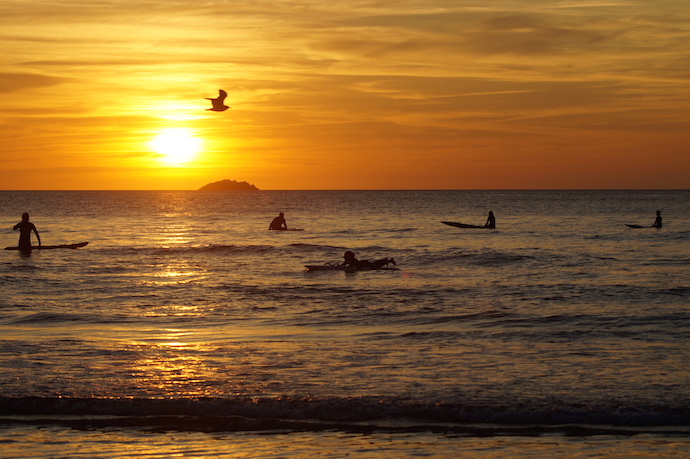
<point>490,221</point>
<point>279,223</point>
<point>657,222</point>
<point>219,102</point>
<point>350,260</point>
<point>25,228</point>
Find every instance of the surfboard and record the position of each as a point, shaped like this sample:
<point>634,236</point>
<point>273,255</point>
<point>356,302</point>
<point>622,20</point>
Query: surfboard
<point>46,247</point>
<point>289,229</point>
<point>350,269</point>
<point>629,225</point>
<point>465,225</point>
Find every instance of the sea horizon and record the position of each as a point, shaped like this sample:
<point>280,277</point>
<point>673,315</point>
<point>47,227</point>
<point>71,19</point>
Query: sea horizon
<point>382,189</point>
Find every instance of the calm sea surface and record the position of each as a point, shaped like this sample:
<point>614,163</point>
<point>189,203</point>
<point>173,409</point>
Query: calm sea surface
<point>187,329</point>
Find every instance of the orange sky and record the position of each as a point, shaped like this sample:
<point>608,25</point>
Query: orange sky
<point>428,94</point>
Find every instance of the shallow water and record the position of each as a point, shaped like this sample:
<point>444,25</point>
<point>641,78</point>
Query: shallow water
<point>50,441</point>
<point>184,312</point>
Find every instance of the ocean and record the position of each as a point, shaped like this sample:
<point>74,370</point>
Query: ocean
<point>186,329</point>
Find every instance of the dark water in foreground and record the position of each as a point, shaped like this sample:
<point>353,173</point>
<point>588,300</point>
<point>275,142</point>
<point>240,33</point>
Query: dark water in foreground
<point>184,327</point>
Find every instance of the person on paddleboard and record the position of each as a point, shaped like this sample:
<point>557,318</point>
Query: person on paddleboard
<point>25,228</point>
<point>279,223</point>
<point>657,222</point>
<point>490,221</point>
<point>350,260</point>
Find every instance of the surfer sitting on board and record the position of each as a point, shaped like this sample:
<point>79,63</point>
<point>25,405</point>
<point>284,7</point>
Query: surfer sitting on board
<point>350,260</point>
<point>657,222</point>
<point>279,223</point>
<point>490,221</point>
<point>25,228</point>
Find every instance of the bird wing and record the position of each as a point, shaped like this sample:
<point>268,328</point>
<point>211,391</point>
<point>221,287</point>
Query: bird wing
<point>222,95</point>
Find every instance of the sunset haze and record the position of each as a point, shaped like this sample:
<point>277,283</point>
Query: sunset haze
<point>432,94</point>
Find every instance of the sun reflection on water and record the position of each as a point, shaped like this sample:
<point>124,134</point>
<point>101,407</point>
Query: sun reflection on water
<point>171,365</point>
<point>175,234</point>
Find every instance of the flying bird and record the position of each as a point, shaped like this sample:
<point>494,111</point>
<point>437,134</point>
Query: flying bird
<point>218,102</point>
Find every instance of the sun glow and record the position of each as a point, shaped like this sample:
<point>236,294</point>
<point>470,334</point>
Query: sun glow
<point>176,146</point>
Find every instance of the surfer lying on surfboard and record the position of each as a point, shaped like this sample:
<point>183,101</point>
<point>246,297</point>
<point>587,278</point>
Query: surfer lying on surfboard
<point>350,260</point>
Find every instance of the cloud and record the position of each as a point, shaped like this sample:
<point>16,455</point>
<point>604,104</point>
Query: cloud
<point>11,82</point>
<point>527,35</point>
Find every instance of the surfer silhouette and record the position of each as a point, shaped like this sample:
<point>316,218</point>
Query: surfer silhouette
<point>657,222</point>
<point>490,221</point>
<point>279,223</point>
<point>218,104</point>
<point>350,260</point>
<point>25,228</point>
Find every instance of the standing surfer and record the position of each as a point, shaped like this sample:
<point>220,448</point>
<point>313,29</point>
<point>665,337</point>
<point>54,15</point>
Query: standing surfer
<point>25,228</point>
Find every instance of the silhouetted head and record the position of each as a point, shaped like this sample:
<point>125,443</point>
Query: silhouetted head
<point>491,213</point>
<point>25,217</point>
<point>658,212</point>
<point>281,214</point>
<point>349,256</point>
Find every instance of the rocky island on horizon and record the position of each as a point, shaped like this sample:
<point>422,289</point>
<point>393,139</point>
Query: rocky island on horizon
<point>228,185</point>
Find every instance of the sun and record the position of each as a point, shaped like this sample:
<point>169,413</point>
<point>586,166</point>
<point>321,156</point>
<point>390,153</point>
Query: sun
<point>176,146</point>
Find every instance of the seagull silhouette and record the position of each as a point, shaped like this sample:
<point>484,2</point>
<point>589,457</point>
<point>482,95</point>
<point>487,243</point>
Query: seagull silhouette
<point>218,105</point>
